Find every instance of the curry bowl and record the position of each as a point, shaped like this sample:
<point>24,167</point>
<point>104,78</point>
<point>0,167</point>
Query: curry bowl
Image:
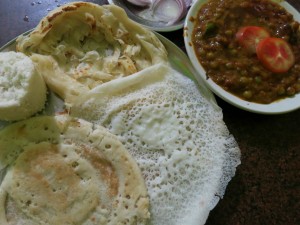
<point>204,64</point>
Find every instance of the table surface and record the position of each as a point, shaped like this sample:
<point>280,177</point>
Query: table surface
<point>266,187</point>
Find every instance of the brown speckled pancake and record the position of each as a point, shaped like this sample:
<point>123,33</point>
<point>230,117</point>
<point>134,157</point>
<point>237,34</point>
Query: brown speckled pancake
<point>63,170</point>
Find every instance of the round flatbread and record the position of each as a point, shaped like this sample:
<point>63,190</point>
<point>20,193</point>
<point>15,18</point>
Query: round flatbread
<point>81,45</point>
<point>62,170</point>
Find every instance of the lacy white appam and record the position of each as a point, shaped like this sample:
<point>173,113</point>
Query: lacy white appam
<point>177,136</point>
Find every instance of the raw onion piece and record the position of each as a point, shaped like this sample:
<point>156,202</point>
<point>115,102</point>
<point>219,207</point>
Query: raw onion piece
<point>170,11</point>
<point>188,3</point>
<point>140,2</point>
<point>167,11</point>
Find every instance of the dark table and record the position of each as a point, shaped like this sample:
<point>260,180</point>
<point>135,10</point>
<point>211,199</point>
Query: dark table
<point>266,188</point>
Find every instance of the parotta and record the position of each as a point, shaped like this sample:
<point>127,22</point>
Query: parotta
<point>81,45</point>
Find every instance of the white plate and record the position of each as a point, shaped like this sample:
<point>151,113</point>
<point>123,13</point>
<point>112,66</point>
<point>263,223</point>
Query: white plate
<point>180,62</point>
<point>278,107</point>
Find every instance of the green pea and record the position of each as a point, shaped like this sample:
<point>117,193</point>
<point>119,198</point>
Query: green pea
<point>210,55</point>
<point>290,91</point>
<point>247,94</point>
<point>243,72</point>
<point>257,79</point>
<point>214,64</point>
<point>255,69</point>
<point>228,32</point>
<point>243,80</point>
<point>280,91</point>
<point>233,51</point>
<point>229,65</point>
<point>201,51</point>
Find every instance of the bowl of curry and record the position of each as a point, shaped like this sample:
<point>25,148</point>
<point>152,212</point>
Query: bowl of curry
<point>247,52</point>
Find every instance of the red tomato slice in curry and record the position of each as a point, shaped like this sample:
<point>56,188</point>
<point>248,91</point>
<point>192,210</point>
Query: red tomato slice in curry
<point>275,54</point>
<point>249,36</point>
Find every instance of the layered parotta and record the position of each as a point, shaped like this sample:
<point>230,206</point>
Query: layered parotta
<point>62,170</point>
<point>81,45</point>
<point>177,136</point>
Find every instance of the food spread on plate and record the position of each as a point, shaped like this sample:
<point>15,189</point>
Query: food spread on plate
<point>138,143</point>
<point>250,48</point>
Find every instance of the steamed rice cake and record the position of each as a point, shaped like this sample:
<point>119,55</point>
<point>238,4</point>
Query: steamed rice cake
<point>22,89</point>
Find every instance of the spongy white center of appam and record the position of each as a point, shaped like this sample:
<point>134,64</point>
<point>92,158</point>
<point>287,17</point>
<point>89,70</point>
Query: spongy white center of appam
<point>177,136</point>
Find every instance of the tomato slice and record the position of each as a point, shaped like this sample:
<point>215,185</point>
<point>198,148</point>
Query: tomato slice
<point>275,54</point>
<point>248,37</point>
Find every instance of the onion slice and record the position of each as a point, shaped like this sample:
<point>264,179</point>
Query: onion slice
<point>170,11</point>
<point>188,3</point>
<point>167,11</point>
<point>140,2</point>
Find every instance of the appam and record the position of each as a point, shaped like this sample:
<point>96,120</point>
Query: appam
<point>177,136</point>
<point>63,170</point>
<point>81,45</point>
